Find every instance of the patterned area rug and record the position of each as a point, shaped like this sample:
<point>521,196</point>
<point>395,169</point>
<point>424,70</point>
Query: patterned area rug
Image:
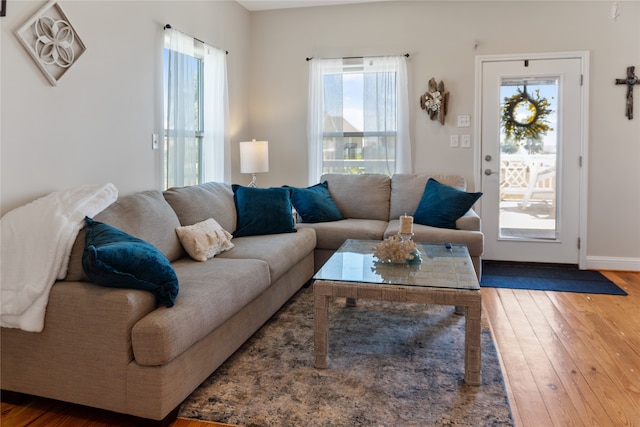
<point>390,364</point>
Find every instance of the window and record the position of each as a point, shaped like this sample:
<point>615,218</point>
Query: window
<point>195,110</point>
<point>358,116</point>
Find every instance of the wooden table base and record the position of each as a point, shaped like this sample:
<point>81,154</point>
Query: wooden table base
<point>323,290</point>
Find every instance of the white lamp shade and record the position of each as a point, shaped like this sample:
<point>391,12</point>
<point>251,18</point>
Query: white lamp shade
<point>254,156</point>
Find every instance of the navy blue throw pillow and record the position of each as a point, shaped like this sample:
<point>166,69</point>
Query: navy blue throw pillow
<point>262,211</point>
<point>116,259</point>
<point>441,205</point>
<point>315,204</point>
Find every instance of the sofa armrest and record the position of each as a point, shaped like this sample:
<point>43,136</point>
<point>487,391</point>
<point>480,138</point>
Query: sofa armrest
<point>82,354</point>
<point>469,221</point>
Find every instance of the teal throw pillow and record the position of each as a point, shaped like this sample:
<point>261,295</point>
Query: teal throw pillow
<point>262,211</point>
<point>441,205</point>
<point>116,259</point>
<point>315,204</point>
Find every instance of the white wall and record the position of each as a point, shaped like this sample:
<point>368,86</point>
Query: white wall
<point>95,126</point>
<point>440,37</point>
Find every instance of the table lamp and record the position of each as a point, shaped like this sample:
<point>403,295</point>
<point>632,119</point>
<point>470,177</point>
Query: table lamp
<point>254,158</point>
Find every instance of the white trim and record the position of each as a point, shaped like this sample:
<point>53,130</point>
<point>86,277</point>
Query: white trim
<point>612,263</point>
<point>584,176</point>
<point>584,56</point>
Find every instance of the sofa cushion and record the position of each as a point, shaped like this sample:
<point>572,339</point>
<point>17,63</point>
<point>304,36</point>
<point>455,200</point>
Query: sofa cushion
<point>262,211</point>
<point>315,204</point>
<point>205,239</point>
<point>210,293</point>
<point>197,203</point>
<point>360,196</point>
<point>280,251</point>
<point>145,215</point>
<point>441,205</point>
<point>407,190</point>
<point>330,235</point>
<point>469,221</point>
<point>116,259</point>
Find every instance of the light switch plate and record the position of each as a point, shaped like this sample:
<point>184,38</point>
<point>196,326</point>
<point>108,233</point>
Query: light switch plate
<point>453,141</point>
<point>465,141</point>
<point>464,121</point>
<point>154,141</point>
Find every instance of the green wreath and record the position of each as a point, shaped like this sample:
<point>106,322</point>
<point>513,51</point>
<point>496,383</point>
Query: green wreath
<point>534,124</point>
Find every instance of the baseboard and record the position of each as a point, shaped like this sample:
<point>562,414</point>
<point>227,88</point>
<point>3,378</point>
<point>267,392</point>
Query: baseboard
<point>12,397</point>
<point>611,263</point>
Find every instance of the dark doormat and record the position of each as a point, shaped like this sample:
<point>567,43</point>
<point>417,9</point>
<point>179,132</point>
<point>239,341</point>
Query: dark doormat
<point>546,277</point>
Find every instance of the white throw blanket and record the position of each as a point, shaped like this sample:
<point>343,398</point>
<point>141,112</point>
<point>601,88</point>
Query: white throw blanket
<point>36,243</point>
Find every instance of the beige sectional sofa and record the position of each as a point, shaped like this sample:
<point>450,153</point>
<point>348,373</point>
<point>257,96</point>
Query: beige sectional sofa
<point>372,205</point>
<point>116,349</point>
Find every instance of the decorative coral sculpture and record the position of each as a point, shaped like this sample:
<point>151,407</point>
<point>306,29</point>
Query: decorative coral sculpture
<point>395,249</point>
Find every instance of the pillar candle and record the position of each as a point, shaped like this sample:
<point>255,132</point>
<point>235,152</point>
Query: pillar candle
<point>406,224</point>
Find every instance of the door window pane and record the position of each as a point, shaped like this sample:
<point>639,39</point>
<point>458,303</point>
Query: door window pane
<point>528,158</point>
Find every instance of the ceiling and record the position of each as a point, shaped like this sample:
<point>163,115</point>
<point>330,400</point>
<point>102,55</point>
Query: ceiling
<point>255,5</point>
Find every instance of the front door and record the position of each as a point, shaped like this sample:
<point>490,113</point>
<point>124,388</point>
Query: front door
<point>531,155</point>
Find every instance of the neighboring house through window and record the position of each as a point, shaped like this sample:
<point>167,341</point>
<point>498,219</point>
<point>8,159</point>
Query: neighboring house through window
<point>196,142</point>
<point>358,116</point>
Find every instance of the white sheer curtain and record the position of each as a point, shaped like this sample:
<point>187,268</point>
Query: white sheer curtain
<point>197,146</point>
<point>181,122</point>
<point>318,68</point>
<point>385,112</point>
<point>390,84</point>
<point>216,146</point>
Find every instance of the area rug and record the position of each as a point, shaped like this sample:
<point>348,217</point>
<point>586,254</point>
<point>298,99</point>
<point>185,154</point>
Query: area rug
<point>546,277</point>
<point>390,364</point>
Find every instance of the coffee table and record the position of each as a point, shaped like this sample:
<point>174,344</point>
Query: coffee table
<point>444,277</point>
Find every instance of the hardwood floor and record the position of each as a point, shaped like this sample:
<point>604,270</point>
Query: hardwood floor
<point>568,359</point>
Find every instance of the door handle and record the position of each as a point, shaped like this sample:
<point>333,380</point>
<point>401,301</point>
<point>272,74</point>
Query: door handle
<point>489,172</point>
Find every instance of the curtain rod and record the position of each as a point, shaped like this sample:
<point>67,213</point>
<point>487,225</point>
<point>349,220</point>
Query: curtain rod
<point>168,26</point>
<point>357,57</point>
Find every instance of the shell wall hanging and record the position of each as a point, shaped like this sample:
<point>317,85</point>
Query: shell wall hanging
<point>435,101</point>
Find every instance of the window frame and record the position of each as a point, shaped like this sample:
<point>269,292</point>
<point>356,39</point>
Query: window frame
<point>349,163</point>
<point>195,125</point>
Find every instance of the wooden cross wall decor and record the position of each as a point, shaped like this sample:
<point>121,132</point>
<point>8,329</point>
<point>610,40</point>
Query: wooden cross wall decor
<point>630,81</point>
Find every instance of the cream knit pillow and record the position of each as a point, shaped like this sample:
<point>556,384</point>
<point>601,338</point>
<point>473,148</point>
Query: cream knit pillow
<point>205,239</point>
